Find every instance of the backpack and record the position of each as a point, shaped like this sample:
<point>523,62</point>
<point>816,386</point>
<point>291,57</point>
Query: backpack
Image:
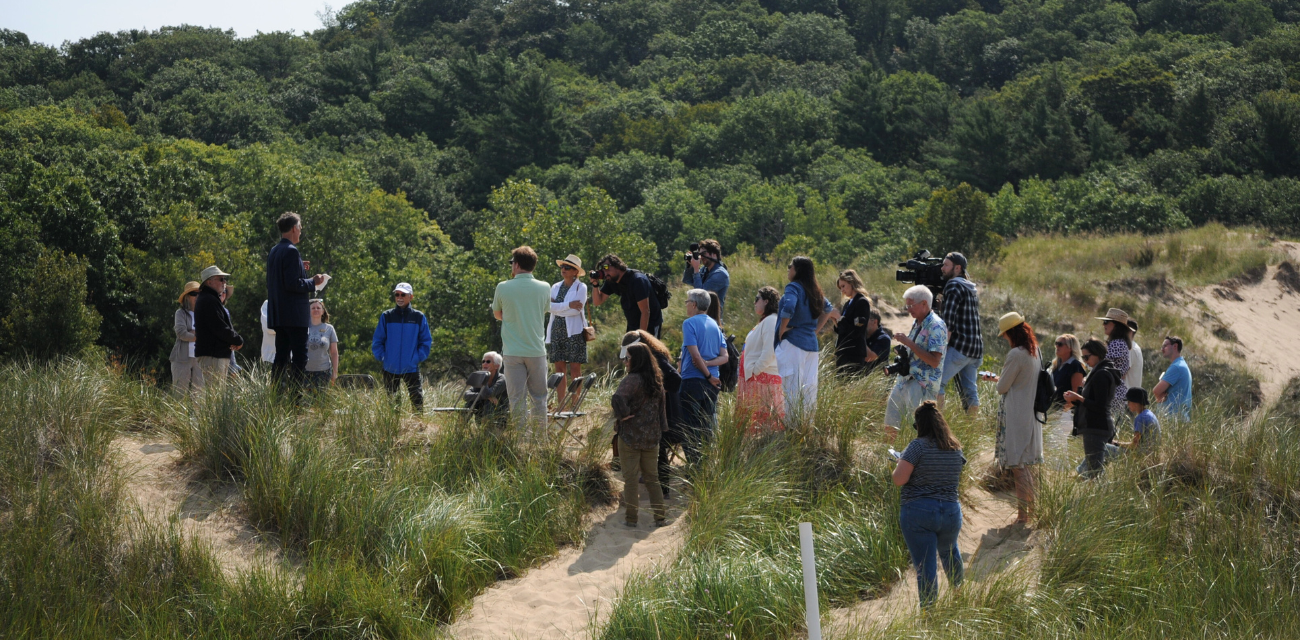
<point>660,289</point>
<point>1043,395</point>
<point>729,373</point>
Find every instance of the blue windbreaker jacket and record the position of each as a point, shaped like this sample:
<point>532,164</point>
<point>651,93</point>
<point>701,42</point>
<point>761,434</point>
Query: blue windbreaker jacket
<point>402,340</point>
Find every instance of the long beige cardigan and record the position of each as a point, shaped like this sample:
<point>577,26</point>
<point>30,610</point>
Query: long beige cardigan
<point>1023,440</point>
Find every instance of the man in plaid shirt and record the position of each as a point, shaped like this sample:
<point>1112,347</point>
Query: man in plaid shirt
<point>961,312</point>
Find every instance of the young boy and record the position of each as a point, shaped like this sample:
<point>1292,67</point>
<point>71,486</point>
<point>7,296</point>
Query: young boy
<point>1146,429</point>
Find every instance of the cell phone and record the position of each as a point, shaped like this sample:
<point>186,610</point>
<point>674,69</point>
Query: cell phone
<point>898,455</point>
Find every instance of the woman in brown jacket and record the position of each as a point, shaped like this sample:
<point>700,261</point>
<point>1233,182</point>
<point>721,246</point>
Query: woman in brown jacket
<point>641,418</point>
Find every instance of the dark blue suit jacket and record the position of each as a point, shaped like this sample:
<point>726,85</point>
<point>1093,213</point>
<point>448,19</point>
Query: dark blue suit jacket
<point>287,287</point>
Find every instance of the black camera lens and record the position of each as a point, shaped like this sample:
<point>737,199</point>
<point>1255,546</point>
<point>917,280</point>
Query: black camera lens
<point>695,246</point>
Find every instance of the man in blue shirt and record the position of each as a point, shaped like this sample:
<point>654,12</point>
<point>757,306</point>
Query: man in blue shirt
<point>709,273</point>
<point>703,350</point>
<point>1174,390</point>
<point>928,342</point>
<point>401,342</point>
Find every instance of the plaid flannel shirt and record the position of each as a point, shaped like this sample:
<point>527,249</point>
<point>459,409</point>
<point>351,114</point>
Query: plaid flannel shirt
<point>961,312</point>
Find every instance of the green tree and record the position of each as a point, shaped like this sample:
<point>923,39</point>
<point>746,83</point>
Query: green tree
<point>978,148</point>
<point>891,115</point>
<point>958,220</point>
<point>60,325</point>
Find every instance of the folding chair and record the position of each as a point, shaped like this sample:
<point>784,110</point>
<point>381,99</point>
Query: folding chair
<point>475,380</point>
<point>552,382</point>
<point>578,391</point>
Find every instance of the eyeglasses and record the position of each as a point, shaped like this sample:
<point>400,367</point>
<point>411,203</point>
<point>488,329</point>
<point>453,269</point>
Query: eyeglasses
<point>1062,344</point>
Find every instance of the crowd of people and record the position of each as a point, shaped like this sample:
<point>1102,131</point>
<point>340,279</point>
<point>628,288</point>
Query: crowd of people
<point>665,401</point>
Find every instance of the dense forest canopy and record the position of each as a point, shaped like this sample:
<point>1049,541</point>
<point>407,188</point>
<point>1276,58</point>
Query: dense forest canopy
<point>421,139</point>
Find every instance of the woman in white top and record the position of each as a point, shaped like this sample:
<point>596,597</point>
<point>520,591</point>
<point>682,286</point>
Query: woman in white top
<point>268,338</point>
<point>1134,376</point>
<point>186,375</point>
<point>759,396</point>
<point>565,344</point>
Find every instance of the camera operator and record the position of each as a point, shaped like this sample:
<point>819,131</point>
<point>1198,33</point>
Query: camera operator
<point>636,294</point>
<point>705,270</point>
<point>961,314</point>
<point>927,342</point>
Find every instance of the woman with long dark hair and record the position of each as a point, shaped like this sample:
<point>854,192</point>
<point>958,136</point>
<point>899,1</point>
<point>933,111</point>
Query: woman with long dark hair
<point>928,471</point>
<point>1020,437</point>
<point>851,330</point>
<point>1119,340</point>
<point>803,311</point>
<point>672,384</point>
<point>640,420</point>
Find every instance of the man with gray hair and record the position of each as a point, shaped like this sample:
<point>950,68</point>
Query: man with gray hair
<point>927,341</point>
<point>703,350</point>
<point>485,401</point>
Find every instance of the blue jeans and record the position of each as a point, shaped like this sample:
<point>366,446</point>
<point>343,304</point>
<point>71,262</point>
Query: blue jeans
<point>964,368</point>
<point>930,528</point>
<point>699,401</point>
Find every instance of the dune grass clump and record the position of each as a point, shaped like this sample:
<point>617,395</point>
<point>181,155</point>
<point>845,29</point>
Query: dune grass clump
<point>738,575</point>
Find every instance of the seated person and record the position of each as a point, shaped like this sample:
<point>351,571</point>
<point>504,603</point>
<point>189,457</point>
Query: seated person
<point>487,393</point>
<point>1146,428</point>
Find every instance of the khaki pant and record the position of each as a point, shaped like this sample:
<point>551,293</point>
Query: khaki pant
<point>639,464</point>
<point>215,370</point>
<point>187,377</point>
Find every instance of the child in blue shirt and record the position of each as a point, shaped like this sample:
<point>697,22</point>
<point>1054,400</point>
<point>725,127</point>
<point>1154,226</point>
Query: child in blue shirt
<point>1146,428</point>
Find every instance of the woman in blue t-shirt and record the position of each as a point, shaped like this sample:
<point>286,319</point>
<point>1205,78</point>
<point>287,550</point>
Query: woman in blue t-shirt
<point>928,471</point>
<point>797,350</point>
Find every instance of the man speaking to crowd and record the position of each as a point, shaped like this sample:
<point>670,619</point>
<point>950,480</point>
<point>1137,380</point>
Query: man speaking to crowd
<point>288,291</point>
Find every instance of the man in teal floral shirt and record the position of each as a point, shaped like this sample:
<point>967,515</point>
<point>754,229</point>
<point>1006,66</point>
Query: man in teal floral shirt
<point>928,341</point>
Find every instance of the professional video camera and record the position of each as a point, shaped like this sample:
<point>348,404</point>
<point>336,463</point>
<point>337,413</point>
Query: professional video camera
<point>694,253</point>
<point>922,270</point>
<point>902,362</point>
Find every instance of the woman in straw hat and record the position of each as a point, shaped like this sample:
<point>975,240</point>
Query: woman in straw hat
<point>186,374</point>
<point>565,344</point>
<point>1119,340</point>
<point>1020,438</point>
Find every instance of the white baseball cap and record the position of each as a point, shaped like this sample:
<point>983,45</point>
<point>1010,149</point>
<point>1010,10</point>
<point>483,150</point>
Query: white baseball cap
<point>404,287</point>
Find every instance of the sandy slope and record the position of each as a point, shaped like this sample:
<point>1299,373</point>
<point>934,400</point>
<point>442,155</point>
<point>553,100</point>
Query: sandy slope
<point>561,598</point>
<point>1265,317</point>
<point>163,487</point>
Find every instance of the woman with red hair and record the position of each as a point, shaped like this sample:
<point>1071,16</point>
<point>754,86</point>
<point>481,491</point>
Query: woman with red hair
<point>1020,436</point>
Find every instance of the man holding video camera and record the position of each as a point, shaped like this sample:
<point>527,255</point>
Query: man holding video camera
<point>705,270</point>
<point>919,365</point>
<point>961,314</point>
<point>635,291</point>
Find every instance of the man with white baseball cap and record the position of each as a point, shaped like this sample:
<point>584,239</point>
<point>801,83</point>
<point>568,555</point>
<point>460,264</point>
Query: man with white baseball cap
<point>215,337</point>
<point>402,341</point>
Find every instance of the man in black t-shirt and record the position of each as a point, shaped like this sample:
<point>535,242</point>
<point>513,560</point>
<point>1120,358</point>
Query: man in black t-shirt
<point>636,294</point>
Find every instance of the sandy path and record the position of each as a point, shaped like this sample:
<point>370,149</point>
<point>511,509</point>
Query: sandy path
<point>561,598</point>
<point>163,487</point>
<point>1266,320</point>
<point>990,543</point>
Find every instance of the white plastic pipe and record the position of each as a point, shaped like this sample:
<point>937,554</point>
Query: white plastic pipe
<point>813,611</point>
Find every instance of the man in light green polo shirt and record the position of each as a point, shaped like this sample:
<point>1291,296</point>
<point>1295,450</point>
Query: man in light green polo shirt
<point>521,304</point>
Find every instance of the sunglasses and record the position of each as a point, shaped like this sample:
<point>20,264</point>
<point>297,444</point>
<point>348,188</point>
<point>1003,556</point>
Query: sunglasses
<point>565,267</point>
<point>192,293</point>
<point>1062,344</point>
<point>400,294</point>
<point>487,362</point>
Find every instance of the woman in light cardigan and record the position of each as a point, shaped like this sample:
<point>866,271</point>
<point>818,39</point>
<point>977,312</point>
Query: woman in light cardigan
<point>759,394</point>
<point>186,375</point>
<point>1020,437</point>
<point>565,343</point>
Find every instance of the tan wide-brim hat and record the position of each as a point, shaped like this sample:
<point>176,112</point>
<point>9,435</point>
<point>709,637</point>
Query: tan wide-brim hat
<point>211,272</point>
<point>1116,315</point>
<point>1009,321</point>
<point>189,286</point>
<point>572,261</point>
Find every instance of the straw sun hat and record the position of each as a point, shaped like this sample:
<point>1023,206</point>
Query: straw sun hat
<point>189,286</point>
<point>1115,315</point>
<point>1009,321</point>
<point>572,261</point>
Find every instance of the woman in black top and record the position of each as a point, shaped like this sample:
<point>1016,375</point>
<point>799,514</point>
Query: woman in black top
<point>1067,367</point>
<point>851,344</point>
<point>672,383</point>
<point>1092,420</point>
<point>928,471</point>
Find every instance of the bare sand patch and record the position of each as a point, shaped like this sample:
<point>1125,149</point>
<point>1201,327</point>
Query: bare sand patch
<point>163,487</point>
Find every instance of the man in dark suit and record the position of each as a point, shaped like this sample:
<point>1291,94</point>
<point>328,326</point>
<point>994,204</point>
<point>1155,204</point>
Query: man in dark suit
<point>288,290</point>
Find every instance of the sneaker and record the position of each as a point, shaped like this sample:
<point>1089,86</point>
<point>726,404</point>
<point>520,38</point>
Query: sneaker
<point>629,524</point>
